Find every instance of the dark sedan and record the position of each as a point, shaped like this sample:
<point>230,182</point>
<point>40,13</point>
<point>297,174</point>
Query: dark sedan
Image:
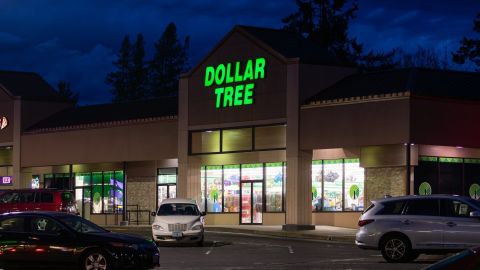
<point>53,238</point>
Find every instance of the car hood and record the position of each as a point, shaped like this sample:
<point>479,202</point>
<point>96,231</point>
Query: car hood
<point>176,219</point>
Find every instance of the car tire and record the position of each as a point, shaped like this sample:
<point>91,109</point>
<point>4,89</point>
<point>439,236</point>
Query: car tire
<point>96,258</point>
<point>396,249</point>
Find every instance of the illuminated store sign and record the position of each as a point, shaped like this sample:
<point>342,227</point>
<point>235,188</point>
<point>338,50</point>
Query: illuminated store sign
<point>233,82</point>
<point>6,180</point>
<point>3,122</point>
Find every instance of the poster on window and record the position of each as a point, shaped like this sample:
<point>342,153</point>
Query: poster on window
<point>252,172</point>
<point>333,189</point>
<point>231,184</point>
<point>214,188</point>
<point>354,185</point>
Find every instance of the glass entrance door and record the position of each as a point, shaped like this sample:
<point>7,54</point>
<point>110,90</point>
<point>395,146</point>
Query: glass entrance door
<point>252,203</point>
<point>165,192</point>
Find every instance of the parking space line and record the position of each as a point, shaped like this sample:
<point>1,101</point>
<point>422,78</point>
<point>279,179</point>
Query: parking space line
<point>211,248</point>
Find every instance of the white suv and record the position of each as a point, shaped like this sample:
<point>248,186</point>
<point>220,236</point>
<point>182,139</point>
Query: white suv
<point>178,220</point>
<point>404,227</point>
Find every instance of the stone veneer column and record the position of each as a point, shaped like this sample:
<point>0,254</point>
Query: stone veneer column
<point>16,155</point>
<point>384,181</point>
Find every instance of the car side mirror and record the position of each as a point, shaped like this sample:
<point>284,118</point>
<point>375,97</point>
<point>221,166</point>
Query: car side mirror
<point>203,213</point>
<point>475,214</point>
<point>153,214</point>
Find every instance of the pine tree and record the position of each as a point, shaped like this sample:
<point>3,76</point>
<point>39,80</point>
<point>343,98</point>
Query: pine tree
<point>66,92</point>
<point>169,61</point>
<point>120,79</point>
<point>139,72</point>
<point>326,22</point>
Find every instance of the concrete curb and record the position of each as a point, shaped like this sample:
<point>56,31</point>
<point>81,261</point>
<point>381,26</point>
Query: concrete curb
<point>287,234</point>
<point>310,235</point>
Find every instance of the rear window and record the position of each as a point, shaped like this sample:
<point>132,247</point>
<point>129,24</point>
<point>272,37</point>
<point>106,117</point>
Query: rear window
<point>178,209</point>
<point>67,197</point>
<point>392,208</point>
<point>46,197</point>
<point>369,208</point>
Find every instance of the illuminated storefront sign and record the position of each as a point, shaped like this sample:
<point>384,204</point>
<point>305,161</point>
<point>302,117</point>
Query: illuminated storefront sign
<point>6,180</point>
<point>233,82</point>
<point>3,122</point>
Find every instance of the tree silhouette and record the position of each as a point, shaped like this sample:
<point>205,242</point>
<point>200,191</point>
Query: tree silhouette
<point>66,92</point>
<point>469,50</point>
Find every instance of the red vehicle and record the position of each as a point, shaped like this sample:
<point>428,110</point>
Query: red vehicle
<point>38,200</point>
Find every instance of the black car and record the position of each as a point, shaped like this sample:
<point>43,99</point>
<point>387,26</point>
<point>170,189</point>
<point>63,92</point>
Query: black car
<point>30,239</point>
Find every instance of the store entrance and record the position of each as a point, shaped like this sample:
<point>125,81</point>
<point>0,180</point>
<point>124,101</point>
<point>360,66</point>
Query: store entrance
<point>252,202</point>
<point>166,191</point>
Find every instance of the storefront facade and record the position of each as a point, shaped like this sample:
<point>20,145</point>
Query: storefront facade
<point>267,129</point>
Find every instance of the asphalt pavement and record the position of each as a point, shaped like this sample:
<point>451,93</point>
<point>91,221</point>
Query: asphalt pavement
<point>241,251</point>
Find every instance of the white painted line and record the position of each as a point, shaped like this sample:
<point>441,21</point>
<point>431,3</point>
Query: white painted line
<point>211,248</point>
<point>290,249</point>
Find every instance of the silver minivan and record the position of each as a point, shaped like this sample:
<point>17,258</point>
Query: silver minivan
<point>402,228</point>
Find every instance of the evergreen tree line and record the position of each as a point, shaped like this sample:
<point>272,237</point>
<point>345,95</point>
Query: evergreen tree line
<point>323,22</point>
<point>136,78</point>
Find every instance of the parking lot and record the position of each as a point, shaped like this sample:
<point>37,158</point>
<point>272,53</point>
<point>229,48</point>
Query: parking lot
<point>240,251</point>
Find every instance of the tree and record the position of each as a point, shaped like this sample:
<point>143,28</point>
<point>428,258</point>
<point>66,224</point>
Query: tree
<point>423,58</point>
<point>326,22</point>
<point>120,79</point>
<point>469,49</point>
<point>129,82</point>
<point>64,90</point>
<point>169,61</point>
<point>139,72</point>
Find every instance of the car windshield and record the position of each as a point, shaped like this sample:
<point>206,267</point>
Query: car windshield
<point>80,225</point>
<point>178,209</point>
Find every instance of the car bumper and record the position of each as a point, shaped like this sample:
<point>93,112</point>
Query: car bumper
<point>139,259</point>
<point>366,240</point>
<point>187,237</point>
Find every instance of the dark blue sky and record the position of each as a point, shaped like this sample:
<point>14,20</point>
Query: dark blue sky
<point>77,40</point>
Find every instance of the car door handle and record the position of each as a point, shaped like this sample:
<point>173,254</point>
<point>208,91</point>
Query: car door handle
<point>407,222</point>
<point>33,238</point>
<point>451,224</point>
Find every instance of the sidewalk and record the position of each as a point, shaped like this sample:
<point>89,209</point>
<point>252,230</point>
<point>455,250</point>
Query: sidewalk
<point>325,233</point>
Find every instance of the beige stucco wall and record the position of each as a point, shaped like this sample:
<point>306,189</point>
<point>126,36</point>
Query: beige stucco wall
<point>344,219</point>
<point>222,219</point>
<point>134,142</point>
<point>273,218</point>
<point>354,125</point>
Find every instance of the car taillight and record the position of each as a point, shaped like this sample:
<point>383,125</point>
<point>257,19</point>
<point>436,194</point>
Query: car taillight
<point>365,222</point>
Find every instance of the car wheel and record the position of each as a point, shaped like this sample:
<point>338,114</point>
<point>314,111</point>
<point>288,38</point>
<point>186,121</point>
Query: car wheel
<point>396,249</point>
<point>95,260</point>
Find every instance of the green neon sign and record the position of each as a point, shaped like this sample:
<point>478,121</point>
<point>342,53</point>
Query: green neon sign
<point>425,189</point>
<point>474,191</point>
<point>233,81</point>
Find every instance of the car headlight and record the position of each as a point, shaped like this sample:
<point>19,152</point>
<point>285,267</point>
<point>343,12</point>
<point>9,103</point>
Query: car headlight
<point>198,227</point>
<point>124,245</point>
<point>157,227</point>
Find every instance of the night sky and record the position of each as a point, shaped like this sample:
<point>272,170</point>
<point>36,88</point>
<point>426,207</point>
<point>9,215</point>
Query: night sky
<point>77,41</point>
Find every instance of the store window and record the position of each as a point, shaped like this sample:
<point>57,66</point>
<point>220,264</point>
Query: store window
<point>333,185</point>
<point>166,184</point>
<point>214,185</point>
<point>270,137</point>
<point>337,185</point>
<point>237,140</point>
<point>450,170</point>
<point>100,192</point>
<point>252,172</point>
<point>231,184</point>
<point>354,185</point>
<point>274,187</point>
<point>205,142</point>
<point>57,180</point>
<point>221,185</point>
<point>317,179</point>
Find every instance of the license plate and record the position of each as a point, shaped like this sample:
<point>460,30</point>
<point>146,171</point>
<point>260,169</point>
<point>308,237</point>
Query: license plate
<point>177,234</point>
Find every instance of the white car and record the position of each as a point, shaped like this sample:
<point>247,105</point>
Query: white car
<point>178,220</point>
<point>404,227</point>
